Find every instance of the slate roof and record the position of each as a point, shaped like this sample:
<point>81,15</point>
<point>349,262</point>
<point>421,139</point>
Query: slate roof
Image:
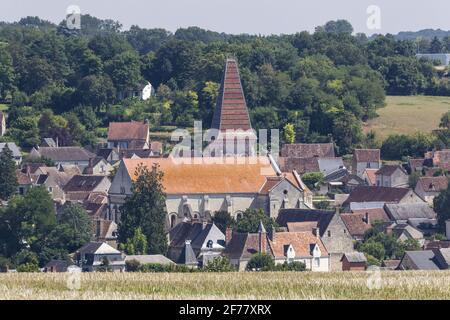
<point>187,255</point>
<point>83,183</point>
<point>13,147</point>
<point>330,165</point>
<point>231,111</point>
<point>376,194</point>
<point>355,257</point>
<point>302,243</point>
<point>65,153</point>
<point>153,258</point>
<point>406,211</point>
<point>323,218</point>
<point>367,155</point>
<point>98,248</point>
<point>308,150</point>
<point>423,260</point>
<point>125,131</point>
<point>242,246</point>
<point>195,232</point>
<point>433,184</point>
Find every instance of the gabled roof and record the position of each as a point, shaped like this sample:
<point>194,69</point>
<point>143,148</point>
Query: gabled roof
<point>406,211</point>
<point>12,146</point>
<point>98,248</point>
<point>371,177</point>
<point>433,184</point>
<point>242,245</point>
<point>301,242</point>
<point>356,222</point>
<point>376,194</point>
<point>65,153</point>
<point>195,232</point>
<point>323,218</point>
<point>124,131</point>
<point>308,150</point>
<point>355,257</point>
<point>416,163</point>
<point>301,165</point>
<point>388,170</point>
<point>231,111</point>
<point>83,183</point>
<point>422,260</point>
<point>207,177</point>
<point>367,155</point>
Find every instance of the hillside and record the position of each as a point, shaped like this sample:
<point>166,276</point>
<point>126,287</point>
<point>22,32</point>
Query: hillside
<point>408,114</point>
<point>307,285</point>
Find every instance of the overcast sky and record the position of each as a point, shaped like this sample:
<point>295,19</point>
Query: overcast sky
<point>243,16</point>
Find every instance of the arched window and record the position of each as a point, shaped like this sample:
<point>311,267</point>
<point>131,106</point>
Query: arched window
<point>173,219</point>
<point>209,244</point>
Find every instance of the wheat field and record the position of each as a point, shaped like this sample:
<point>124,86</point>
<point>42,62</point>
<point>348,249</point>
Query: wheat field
<point>246,286</point>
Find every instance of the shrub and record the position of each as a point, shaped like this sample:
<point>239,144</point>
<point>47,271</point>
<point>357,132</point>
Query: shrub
<point>28,267</point>
<point>290,266</point>
<point>132,265</point>
<point>218,264</point>
<point>260,262</point>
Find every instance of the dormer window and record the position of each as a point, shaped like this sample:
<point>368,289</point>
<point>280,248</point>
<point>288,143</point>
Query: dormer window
<point>209,244</point>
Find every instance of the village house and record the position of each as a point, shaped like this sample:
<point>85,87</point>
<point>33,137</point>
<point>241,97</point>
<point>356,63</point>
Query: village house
<point>201,187</point>
<point>393,176</point>
<point>54,181</point>
<point>329,225</point>
<point>64,155</point>
<point>410,213</point>
<point>369,177</point>
<point>17,155</point>
<point>98,166</point>
<point>305,247</point>
<point>129,135</point>
<point>366,197</point>
<point>308,150</point>
<point>440,158</point>
<point>419,165</point>
<point>143,92</point>
<point>109,154</point>
<point>205,239</point>
<point>360,221</point>
<point>92,257</point>
<point>429,187</point>
<point>418,260</point>
<point>354,261</point>
<point>81,187</point>
<point>404,232</point>
<point>365,159</point>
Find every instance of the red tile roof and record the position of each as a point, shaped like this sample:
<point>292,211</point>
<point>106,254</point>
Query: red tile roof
<point>302,242</point>
<point>231,111</point>
<point>123,131</point>
<point>308,150</point>
<point>371,177</point>
<point>356,222</point>
<point>433,184</point>
<point>367,155</point>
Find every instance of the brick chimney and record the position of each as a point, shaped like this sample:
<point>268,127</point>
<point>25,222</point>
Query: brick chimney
<point>316,232</point>
<point>228,235</point>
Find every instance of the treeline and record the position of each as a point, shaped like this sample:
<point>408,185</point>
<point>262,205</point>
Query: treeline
<point>324,83</point>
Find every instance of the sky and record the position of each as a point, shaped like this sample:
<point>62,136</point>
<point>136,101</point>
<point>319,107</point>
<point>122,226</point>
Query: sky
<point>244,16</point>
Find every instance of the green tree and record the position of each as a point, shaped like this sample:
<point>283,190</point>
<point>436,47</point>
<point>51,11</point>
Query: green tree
<point>445,121</point>
<point>312,178</point>
<point>8,178</point>
<point>218,264</point>
<point>7,75</point>
<point>137,244</point>
<point>289,133</point>
<point>252,218</point>
<point>125,70</point>
<point>441,205</point>
<point>260,262</point>
<point>146,208</point>
<point>223,220</point>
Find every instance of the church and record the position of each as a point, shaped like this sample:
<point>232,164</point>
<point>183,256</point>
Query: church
<point>196,190</point>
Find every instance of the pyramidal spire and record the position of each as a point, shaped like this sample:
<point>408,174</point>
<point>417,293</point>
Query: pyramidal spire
<point>231,111</point>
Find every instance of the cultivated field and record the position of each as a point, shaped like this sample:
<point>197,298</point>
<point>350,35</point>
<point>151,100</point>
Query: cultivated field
<point>407,115</point>
<point>361,285</point>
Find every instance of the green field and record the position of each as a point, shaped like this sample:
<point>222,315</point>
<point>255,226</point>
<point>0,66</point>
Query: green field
<point>407,115</point>
<point>305,285</point>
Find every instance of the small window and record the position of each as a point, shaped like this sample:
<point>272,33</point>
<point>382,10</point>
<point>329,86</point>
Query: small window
<point>329,233</point>
<point>209,244</point>
<point>285,192</point>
